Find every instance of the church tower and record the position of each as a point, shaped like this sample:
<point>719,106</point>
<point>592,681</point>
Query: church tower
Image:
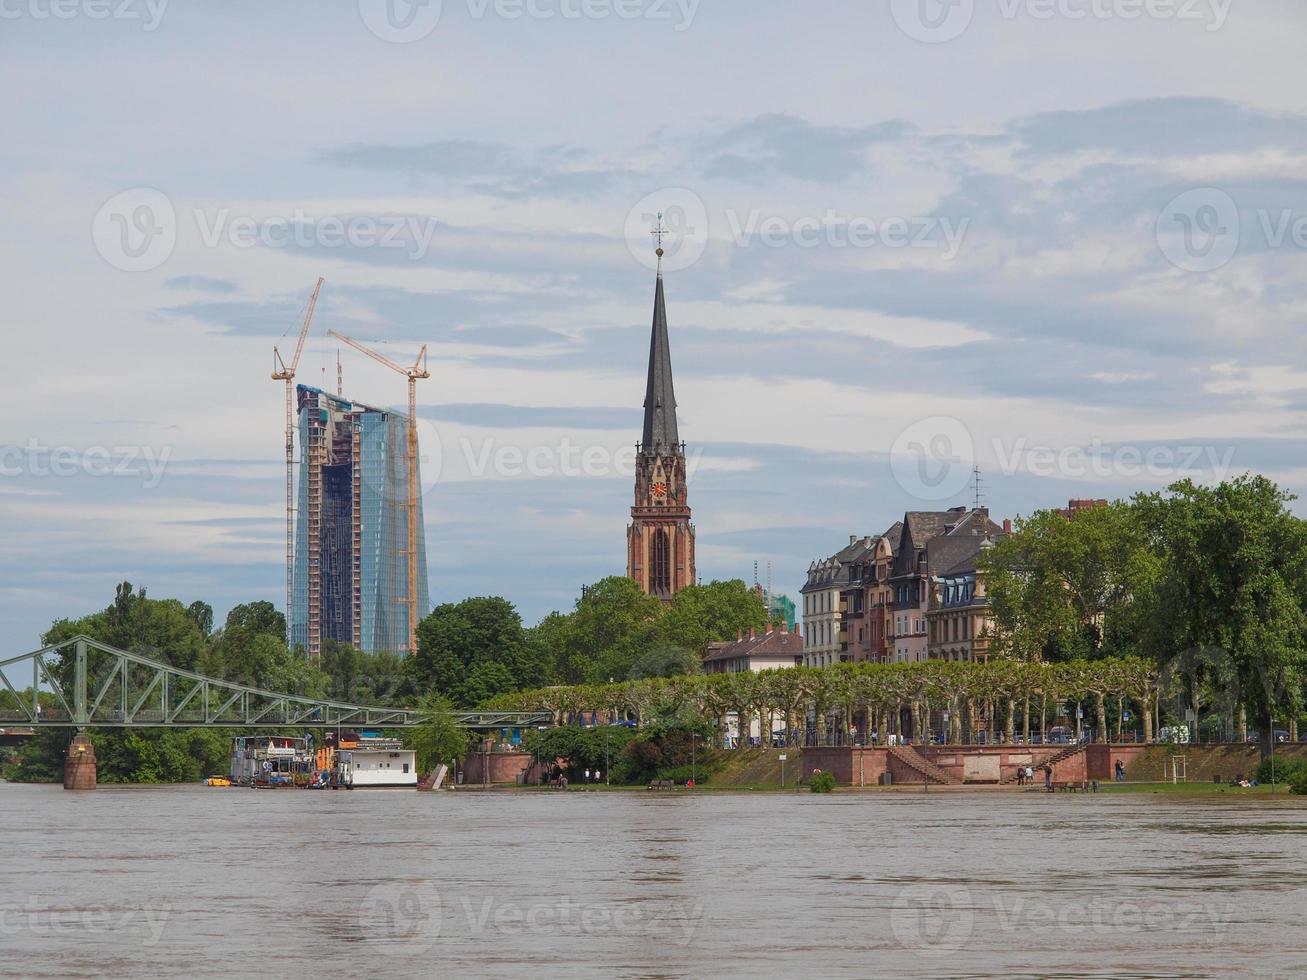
<point>660,537</point>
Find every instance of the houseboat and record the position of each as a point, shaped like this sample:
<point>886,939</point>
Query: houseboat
<point>271,761</point>
<point>369,760</point>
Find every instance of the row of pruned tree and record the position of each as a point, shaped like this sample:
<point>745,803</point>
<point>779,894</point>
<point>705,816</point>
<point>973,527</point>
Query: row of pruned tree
<point>1001,699</point>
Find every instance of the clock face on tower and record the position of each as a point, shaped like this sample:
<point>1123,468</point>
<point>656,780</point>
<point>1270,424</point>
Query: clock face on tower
<point>660,489</point>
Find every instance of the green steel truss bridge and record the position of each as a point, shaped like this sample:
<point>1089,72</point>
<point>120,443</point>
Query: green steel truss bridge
<point>99,686</point>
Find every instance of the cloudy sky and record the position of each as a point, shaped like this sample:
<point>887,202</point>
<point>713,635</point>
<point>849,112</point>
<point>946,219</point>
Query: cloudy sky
<point>1060,240</point>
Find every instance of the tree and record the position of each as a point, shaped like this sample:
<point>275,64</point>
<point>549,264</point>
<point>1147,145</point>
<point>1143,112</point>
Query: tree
<point>257,617</point>
<point>201,614</point>
<point>162,629</point>
<point>363,678</point>
<point>614,621</point>
<point>1235,578</point>
<point>1064,588</point>
<point>665,660</point>
<point>440,739</point>
<point>475,649</point>
<point>552,637</point>
<point>701,614</point>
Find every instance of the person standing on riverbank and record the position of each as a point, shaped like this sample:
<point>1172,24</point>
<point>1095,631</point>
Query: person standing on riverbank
<point>1048,778</point>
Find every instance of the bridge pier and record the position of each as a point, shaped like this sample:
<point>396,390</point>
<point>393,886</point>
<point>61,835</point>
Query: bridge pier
<point>79,766</point>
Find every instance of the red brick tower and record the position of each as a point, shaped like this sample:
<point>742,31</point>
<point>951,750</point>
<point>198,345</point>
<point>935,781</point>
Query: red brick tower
<point>660,537</point>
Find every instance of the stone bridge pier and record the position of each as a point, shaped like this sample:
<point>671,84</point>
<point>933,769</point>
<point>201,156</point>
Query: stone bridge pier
<point>79,766</point>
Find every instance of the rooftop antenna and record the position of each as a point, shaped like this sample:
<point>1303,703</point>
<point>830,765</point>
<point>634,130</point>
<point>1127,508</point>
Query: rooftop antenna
<point>979,485</point>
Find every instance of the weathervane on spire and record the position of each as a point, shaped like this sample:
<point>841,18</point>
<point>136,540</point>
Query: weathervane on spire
<point>658,232</point>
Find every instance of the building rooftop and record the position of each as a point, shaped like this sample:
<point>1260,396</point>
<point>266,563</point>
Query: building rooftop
<point>780,641</point>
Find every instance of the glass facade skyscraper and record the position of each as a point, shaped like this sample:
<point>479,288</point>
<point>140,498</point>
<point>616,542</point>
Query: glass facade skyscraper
<point>351,527</point>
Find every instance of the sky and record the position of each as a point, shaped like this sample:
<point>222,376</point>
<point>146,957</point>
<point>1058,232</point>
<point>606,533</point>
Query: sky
<point>1060,240</point>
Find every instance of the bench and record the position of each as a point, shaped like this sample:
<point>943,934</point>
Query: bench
<point>663,784</point>
<point>1074,786</point>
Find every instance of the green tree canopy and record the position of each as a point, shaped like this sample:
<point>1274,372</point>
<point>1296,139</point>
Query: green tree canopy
<point>701,614</point>
<point>1235,581</point>
<point>439,739</point>
<point>475,649</point>
<point>1065,588</point>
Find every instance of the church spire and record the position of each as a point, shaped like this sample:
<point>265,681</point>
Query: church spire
<point>660,433</point>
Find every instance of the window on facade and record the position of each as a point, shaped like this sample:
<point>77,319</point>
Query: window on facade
<point>660,569</point>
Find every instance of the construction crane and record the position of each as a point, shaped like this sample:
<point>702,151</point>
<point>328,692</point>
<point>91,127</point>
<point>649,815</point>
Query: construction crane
<point>282,372</point>
<point>414,373</point>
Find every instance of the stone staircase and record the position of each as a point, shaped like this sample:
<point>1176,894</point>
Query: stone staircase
<point>1066,753</point>
<point>928,771</point>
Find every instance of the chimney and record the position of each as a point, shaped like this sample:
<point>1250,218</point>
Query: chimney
<point>739,635</point>
<point>785,625</point>
<point>1007,525</point>
<point>752,633</point>
<point>853,539</point>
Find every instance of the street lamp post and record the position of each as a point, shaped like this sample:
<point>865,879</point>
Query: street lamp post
<point>608,776</point>
<point>1272,754</point>
<point>540,769</point>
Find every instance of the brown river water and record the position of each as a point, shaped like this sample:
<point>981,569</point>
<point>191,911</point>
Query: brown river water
<point>198,882</point>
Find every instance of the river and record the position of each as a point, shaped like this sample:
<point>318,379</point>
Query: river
<point>198,882</point>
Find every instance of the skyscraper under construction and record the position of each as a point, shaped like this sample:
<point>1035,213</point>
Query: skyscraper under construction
<point>351,528</point>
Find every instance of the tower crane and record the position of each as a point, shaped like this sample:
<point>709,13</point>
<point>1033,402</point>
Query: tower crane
<point>414,373</point>
<point>283,372</point>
